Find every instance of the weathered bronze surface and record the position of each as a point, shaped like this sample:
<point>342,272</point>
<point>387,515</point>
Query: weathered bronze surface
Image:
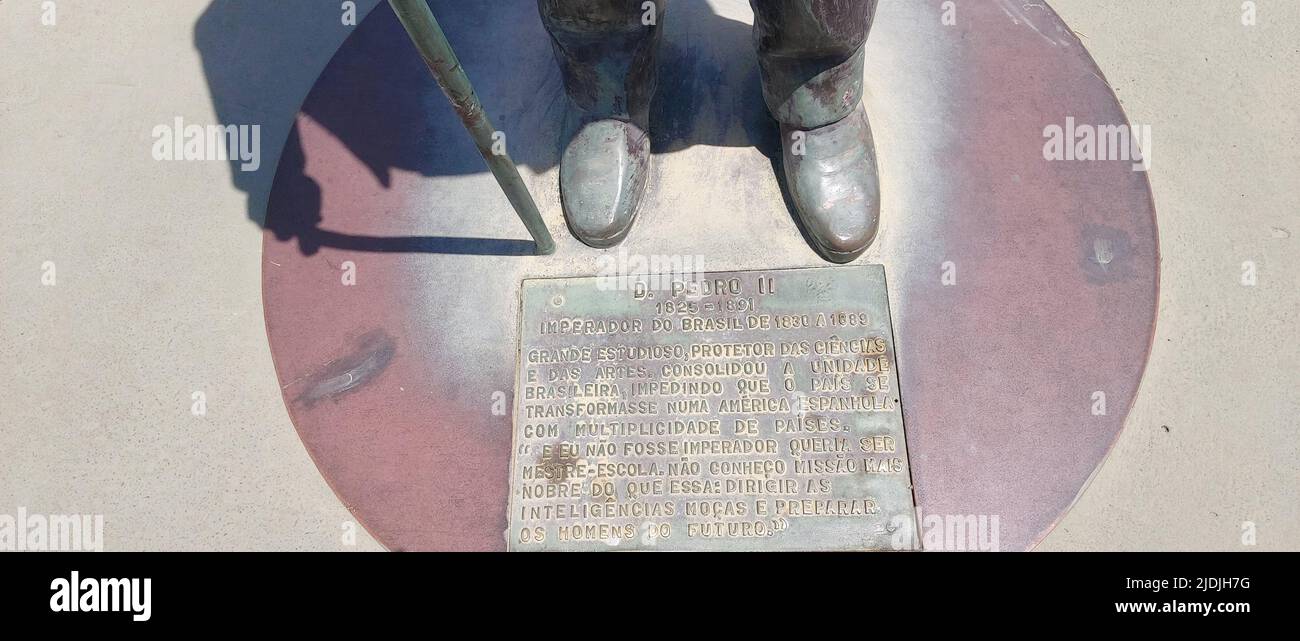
<point>810,55</point>
<point>750,410</point>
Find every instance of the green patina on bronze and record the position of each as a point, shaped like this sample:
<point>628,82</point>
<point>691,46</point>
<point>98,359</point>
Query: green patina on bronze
<point>811,61</point>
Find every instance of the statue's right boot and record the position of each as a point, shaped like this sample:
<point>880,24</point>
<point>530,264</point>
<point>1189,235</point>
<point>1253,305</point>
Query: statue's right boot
<point>606,51</point>
<point>811,55</point>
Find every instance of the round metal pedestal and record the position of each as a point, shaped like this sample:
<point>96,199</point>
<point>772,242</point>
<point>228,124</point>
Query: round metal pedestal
<point>1023,289</point>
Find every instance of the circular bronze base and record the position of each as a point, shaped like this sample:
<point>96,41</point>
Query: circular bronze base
<point>1023,287</point>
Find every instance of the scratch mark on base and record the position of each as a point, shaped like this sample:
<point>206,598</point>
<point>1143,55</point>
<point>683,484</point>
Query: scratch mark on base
<point>373,354</point>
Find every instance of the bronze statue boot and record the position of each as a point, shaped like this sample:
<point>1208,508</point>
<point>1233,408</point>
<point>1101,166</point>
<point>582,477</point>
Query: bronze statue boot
<point>830,172</point>
<point>811,54</point>
<point>602,180</point>
<point>606,51</point>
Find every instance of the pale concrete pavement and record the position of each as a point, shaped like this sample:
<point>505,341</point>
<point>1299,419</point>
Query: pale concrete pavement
<point>158,286</point>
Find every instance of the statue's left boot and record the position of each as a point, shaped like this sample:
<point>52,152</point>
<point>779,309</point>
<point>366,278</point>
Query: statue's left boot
<point>811,57</point>
<point>834,185</point>
<point>603,177</point>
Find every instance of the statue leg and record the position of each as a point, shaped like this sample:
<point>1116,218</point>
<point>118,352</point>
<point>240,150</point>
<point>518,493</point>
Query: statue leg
<point>606,52</point>
<point>811,57</point>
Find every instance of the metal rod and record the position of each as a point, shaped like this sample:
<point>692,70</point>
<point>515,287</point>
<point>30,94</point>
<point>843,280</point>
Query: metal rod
<point>437,54</point>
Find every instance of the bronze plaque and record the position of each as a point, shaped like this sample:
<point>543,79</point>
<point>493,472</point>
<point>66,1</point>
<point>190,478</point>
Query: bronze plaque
<point>723,411</point>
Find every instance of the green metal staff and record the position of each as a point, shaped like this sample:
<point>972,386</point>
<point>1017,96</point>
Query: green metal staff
<point>436,51</point>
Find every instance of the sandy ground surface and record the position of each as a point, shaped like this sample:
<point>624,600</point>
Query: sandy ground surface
<point>156,283</point>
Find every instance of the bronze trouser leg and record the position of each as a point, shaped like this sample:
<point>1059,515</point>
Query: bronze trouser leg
<point>810,54</point>
<point>606,53</point>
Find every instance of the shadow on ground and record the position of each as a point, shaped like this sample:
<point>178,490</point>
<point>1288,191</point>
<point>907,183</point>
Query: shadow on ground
<point>377,98</point>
